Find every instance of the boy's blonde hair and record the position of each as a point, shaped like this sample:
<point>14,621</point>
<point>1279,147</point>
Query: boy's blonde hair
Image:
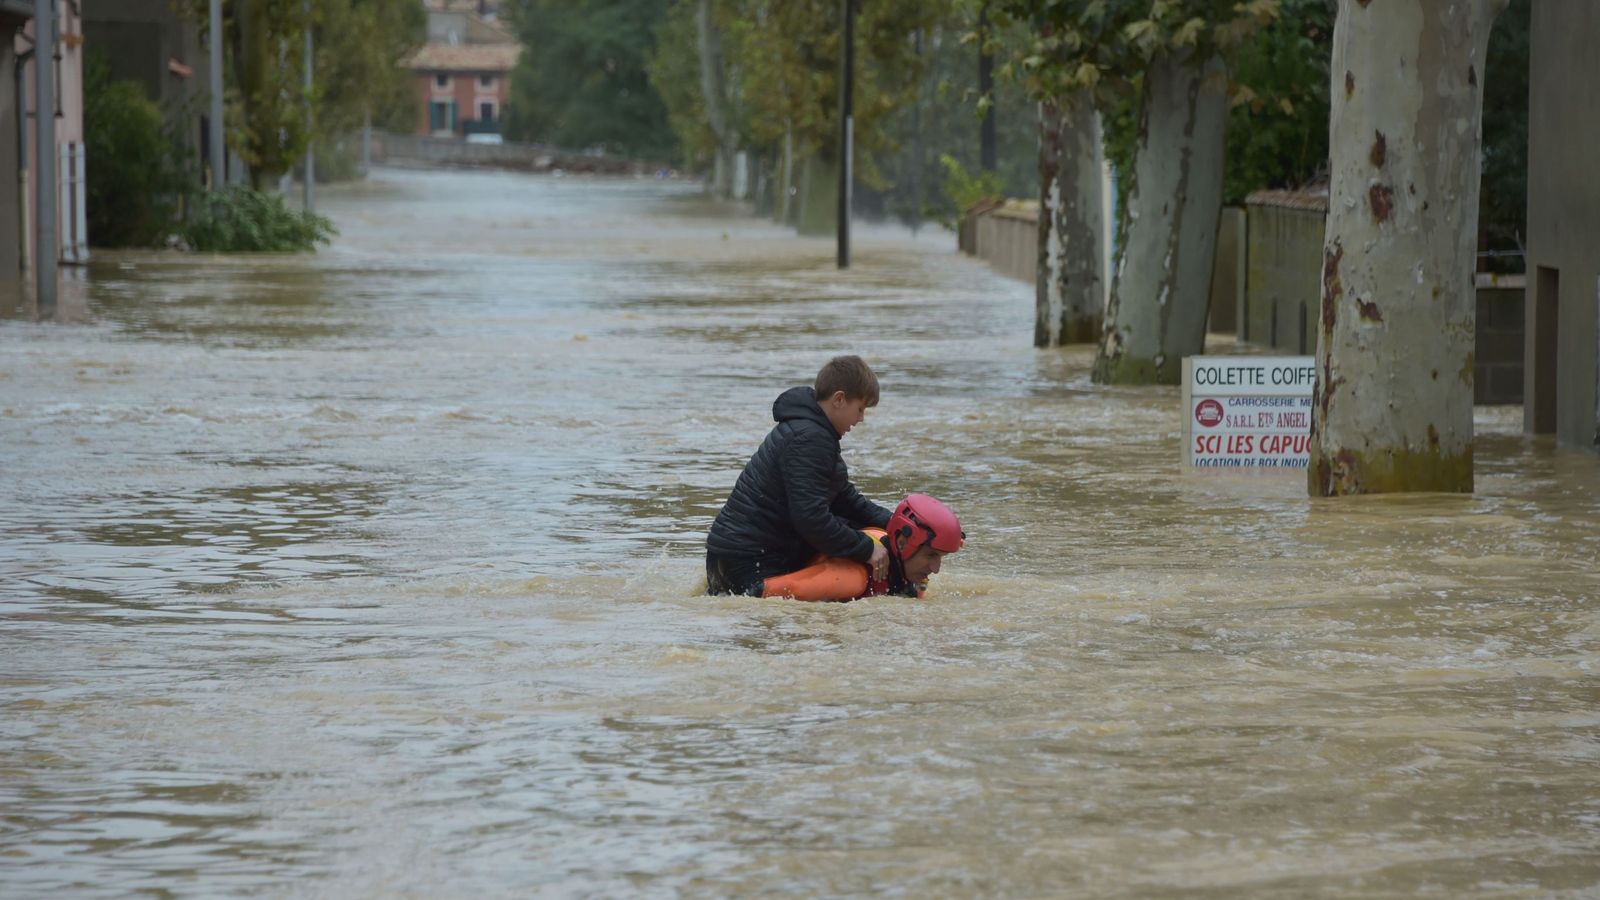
<point>850,374</point>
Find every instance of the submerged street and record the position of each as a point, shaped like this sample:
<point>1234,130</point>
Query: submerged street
<point>377,572</point>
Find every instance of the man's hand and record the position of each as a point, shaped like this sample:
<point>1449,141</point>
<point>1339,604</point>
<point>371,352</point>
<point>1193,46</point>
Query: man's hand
<point>879,563</point>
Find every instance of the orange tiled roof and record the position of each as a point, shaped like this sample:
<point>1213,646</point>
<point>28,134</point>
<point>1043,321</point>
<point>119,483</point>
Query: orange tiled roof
<point>465,57</point>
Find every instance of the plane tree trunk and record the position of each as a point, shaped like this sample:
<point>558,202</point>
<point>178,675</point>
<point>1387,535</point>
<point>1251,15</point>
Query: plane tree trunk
<point>713,91</point>
<point>1161,290</point>
<point>1393,401</point>
<point>1071,277</point>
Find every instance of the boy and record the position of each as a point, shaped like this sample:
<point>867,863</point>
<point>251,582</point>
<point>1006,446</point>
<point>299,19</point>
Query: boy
<point>794,499</point>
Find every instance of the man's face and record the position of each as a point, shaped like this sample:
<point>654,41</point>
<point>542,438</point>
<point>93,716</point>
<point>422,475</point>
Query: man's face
<point>923,563</point>
<point>843,412</point>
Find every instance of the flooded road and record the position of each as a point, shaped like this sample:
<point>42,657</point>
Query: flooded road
<point>374,573</point>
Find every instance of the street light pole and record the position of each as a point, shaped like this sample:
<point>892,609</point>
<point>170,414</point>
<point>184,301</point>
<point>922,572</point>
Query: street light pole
<point>846,129</point>
<point>311,153</point>
<point>214,127</point>
<point>44,121</point>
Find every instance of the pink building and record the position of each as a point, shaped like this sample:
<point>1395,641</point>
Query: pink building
<point>463,73</point>
<point>463,89</point>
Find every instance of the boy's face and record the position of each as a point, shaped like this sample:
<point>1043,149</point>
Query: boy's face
<point>923,563</point>
<point>844,412</point>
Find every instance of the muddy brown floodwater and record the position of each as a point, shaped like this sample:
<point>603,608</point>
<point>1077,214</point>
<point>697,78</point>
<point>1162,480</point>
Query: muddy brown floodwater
<point>374,573</point>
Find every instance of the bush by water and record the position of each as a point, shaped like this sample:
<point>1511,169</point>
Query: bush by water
<point>240,219</point>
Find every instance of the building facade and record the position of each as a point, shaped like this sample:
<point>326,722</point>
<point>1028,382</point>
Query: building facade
<point>1561,381</point>
<point>19,183</point>
<point>463,73</point>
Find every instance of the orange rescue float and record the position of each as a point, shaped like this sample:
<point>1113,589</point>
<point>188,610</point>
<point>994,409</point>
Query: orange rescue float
<point>832,578</point>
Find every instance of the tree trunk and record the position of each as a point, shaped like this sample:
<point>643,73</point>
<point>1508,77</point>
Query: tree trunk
<point>713,91</point>
<point>1071,279</point>
<point>787,186</point>
<point>1393,401</point>
<point>1161,291</point>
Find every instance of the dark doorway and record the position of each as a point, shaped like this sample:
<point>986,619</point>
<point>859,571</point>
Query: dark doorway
<point>1546,349</point>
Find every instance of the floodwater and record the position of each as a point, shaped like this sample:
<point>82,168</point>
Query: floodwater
<point>375,573</point>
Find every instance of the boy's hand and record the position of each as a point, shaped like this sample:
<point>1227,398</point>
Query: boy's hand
<point>879,563</point>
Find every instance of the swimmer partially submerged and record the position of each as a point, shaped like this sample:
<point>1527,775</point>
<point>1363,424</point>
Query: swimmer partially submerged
<point>919,535</point>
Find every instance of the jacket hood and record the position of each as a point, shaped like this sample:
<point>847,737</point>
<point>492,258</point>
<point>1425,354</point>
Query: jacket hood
<point>800,403</point>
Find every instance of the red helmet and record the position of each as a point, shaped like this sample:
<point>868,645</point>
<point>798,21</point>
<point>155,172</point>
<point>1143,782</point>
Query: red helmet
<point>920,519</point>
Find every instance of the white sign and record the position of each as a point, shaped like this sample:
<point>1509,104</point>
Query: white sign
<point>1247,412</point>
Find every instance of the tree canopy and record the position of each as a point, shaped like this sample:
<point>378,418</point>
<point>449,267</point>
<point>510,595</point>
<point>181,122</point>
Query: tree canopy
<point>582,81</point>
<point>359,47</point>
<point>783,61</point>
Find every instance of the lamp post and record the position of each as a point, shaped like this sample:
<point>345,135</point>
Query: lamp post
<point>214,127</point>
<point>311,153</point>
<point>846,126</point>
<point>44,119</point>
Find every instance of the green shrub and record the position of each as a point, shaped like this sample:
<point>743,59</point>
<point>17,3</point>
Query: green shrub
<point>964,188</point>
<point>136,174</point>
<point>242,220</point>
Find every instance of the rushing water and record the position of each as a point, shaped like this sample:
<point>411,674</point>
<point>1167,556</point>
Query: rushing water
<point>374,573</point>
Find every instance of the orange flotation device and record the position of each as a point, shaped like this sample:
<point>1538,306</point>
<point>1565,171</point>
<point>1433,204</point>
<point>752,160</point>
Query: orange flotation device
<point>828,578</point>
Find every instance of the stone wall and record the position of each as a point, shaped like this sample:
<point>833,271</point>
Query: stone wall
<point>412,148</point>
<point>1497,374</point>
<point>1283,295</point>
<point>1266,284</point>
<point>1283,270</point>
<point>1006,235</point>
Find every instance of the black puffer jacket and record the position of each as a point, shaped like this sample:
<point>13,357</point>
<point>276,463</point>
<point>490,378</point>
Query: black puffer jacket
<point>794,498</point>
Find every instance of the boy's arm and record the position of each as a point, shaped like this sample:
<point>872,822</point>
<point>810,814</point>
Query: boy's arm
<point>858,510</point>
<point>807,467</point>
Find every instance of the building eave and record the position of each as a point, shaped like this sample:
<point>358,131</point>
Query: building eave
<point>15,12</point>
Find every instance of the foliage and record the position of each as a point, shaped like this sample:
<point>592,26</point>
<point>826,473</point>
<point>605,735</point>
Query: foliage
<point>1503,198</point>
<point>138,176</point>
<point>673,67</point>
<point>783,62</point>
<point>1100,49</point>
<point>1278,128</point>
<point>1103,46</point>
<point>942,119</point>
<point>964,188</point>
<point>359,47</point>
<point>240,219</point>
<point>586,84</point>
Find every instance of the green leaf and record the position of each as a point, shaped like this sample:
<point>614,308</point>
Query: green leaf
<point>1188,34</point>
<point>1140,31</point>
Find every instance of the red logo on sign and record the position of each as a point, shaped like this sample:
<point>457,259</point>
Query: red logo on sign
<point>1208,413</point>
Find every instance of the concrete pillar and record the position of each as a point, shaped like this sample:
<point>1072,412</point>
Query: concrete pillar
<point>10,192</point>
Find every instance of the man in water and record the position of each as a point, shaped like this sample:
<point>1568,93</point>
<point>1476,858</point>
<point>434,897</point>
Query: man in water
<point>920,532</point>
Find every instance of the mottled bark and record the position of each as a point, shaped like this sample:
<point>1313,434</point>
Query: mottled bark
<point>714,94</point>
<point>1393,402</point>
<point>1071,273</point>
<point>1161,290</point>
